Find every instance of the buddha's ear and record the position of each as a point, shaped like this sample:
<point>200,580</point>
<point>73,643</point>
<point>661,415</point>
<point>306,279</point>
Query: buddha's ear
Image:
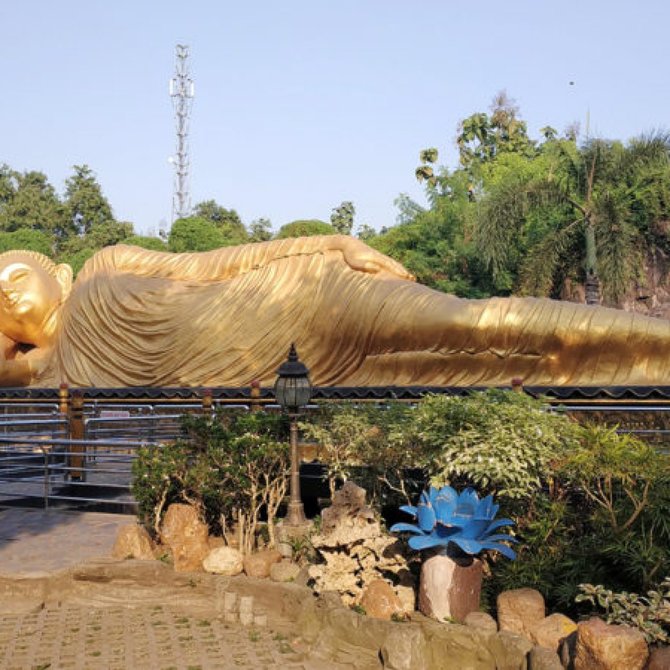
<point>64,277</point>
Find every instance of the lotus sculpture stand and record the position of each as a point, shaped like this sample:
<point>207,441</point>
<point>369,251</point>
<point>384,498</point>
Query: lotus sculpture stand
<point>455,528</point>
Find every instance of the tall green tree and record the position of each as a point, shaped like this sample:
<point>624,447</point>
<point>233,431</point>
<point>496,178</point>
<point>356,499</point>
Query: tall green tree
<point>30,201</point>
<point>596,206</point>
<point>227,221</point>
<point>85,204</point>
<point>482,137</point>
<point>342,218</point>
<point>260,230</point>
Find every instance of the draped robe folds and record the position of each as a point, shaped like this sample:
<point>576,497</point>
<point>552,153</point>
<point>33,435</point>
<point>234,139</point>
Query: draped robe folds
<point>227,317</point>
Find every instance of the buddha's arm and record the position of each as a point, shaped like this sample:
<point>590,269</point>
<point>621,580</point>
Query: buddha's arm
<point>229,262</point>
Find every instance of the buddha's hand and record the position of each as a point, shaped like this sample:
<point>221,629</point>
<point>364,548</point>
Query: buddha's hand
<point>360,256</point>
<point>22,371</point>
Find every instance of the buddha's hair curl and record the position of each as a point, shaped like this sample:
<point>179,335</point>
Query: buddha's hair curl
<point>44,261</point>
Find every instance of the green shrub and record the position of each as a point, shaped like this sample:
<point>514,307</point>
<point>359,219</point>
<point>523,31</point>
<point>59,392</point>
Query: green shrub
<point>650,614</point>
<point>373,444</point>
<point>502,442</point>
<point>232,468</point>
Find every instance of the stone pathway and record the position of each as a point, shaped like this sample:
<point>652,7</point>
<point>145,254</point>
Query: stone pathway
<point>83,635</point>
<point>144,638</point>
<point>34,541</point>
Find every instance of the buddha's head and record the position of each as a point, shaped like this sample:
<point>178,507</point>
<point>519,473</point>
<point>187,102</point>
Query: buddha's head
<point>32,289</point>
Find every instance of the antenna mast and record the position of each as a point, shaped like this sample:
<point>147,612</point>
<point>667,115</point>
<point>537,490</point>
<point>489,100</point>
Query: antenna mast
<point>182,92</point>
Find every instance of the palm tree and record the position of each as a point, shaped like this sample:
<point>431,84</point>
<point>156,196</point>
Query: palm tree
<point>600,201</point>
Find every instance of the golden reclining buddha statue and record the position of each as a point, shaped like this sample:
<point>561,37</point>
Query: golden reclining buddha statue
<point>226,317</point>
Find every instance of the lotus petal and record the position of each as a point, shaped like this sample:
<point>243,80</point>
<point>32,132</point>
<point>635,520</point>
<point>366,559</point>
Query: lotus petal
<point>469,546</point>
<point>405,528</point>
<point>444,509</point>
<point>408,509</point>
<point>446,531</point>
<point>469,496</point>
<point>499,523</point>
<point>475,528</point>
<point>464,512</point>
<point>425,515</point>
<point>486,509</point>
<point>426,542</point>
<point>506,551</point>
<point>448,493</point>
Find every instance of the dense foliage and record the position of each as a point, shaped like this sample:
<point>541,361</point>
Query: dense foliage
<point>590,504</point>
<point>650,613</point>
<point>536,217</point>
<point>233,468</point>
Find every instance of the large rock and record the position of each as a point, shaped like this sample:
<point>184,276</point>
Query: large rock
<point>602,646</point>
<point>659,659</point>
<point>449,588</point>
<point>133,541</point>
<point>552,630</point>
<point>541,658</point>
<point>224,561</point>
<point>259,564</point>
<point>481,620</point>
<point>187,536</point>
<point>380,601</point>
<point>520,610</point>
<point>348,520</point>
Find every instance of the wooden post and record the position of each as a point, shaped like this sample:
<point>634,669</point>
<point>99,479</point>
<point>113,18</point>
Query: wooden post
<point>207,403</point>
<point>64,399</point>
<point>76,459</point>
<point>517,385</point>
<point>255,395</point>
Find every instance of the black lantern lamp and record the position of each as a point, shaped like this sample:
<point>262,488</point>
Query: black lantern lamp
<point>293,390</point>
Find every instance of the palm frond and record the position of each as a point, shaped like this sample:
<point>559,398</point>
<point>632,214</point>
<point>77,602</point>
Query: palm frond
<point>618,244</point>
<point>542,261</point>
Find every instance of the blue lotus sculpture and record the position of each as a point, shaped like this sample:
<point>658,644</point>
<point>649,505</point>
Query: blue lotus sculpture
<point>444,516</point>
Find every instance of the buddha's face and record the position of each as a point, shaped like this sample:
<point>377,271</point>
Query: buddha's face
<point>29,299</point>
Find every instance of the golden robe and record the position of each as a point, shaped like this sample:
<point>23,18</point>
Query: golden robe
<point>227,317</point>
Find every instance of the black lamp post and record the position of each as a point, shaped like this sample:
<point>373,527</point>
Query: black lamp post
<point>293,390</point>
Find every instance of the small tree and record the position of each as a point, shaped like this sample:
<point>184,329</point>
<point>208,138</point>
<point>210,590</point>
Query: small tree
<point>342,218</point>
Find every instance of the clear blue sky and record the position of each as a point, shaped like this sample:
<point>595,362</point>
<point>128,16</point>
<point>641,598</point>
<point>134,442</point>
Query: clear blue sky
<point>303,104</point>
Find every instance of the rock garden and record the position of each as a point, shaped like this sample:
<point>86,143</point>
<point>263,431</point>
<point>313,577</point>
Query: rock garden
<point>483,531</point>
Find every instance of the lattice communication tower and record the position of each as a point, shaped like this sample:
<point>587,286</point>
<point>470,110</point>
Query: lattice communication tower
<point>182,92</point>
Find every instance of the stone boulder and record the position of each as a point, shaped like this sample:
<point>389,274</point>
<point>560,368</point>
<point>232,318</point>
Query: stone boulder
<point>284,571</point>
<point>259,564</point>
<point>355,551</point>
<point>348,519</point>
<point>186,535</point>
<point>133,541</point>
<point>552,630</point>
<point>481,620</point>
<point>542,658</point>
<point>449,588</point>
<point>520,610</point>
<point>602,646</point>
<point>380,601</point>
<point>224,561</point>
